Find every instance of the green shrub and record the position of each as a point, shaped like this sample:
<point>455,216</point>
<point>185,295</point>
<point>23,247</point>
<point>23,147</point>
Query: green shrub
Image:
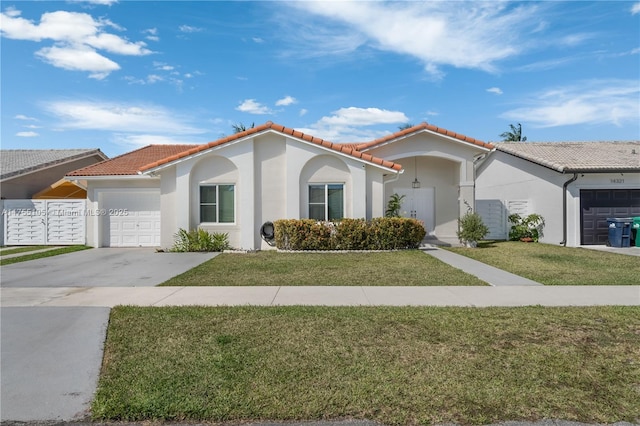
<point>199,240</point>
<point>526,227</point>
<point>349,234</point>
<point>472,228</point>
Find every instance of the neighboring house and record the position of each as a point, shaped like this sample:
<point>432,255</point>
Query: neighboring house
<point>235,184</point>
<point>39,174</point>
<point>574,186</point>
<point>26,172</point>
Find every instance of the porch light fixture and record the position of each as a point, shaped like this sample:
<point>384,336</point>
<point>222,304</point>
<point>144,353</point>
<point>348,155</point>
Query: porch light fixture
<point>416,182</point>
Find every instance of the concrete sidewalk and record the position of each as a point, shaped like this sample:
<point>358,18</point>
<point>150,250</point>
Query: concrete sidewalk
<point>488,274</point>
<point>327,296</point>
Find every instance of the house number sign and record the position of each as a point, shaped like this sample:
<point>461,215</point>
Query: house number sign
<point>618,180</point>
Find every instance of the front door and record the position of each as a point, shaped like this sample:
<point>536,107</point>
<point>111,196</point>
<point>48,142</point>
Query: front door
<point>419,203</point>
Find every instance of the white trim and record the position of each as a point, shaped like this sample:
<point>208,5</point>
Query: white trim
<point>399,138</point>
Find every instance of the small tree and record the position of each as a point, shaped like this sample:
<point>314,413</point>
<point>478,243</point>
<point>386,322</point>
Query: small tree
<point>472,229</point>
<point>394,205</point>
<point>238,128</point>
<point>515,135</point>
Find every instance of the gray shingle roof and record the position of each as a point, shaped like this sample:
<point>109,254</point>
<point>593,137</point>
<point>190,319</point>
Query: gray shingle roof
<point>16,162</point>
<point>578,156</point>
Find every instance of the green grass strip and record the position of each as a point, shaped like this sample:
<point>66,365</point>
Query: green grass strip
<point>397,366</point>
<point>556,265</point>
<point>15,250</point>
<point>41,255</point>
<point>271,268</point>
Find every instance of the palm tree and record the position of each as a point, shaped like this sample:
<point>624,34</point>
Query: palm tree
<point>405,126</point>
<point>515,135</point>
<point>237,128</point>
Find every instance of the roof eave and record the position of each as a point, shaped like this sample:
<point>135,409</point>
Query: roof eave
<point>262,132</point>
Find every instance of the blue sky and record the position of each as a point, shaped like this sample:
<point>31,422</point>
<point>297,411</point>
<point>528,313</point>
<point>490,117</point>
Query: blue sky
<point>118,75</point>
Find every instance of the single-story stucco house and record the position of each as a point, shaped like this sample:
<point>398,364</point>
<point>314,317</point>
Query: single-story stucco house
<point>270,172</point>
<point>575,186</point>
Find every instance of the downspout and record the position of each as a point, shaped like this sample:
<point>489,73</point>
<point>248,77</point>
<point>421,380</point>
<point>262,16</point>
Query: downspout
<point>564,209</point>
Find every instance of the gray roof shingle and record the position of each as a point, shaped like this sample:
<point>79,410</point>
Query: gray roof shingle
<point>16,162</point>
<point>566,157</point>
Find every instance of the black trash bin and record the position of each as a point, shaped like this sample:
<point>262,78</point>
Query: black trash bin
<point>619,231</point>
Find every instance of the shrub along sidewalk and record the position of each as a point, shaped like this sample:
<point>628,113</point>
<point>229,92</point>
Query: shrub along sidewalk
<point>270,268</point>
<point>391,365</point>
<point>556,265</point>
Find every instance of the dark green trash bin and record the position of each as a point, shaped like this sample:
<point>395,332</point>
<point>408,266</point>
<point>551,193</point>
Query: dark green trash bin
<point>635,230</point>
<point>619,231</point>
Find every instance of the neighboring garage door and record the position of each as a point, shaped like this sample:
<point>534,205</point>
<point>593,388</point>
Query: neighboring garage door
<point>596,205</point>
<point>131,219</point>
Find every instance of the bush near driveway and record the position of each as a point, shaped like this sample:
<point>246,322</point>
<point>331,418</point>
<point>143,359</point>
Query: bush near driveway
<point>555,265</point>
<point>271,268</point>
<point>397,366</point>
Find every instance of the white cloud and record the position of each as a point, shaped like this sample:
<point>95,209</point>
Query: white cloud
<point>346,124</point>
<point>150,139</point>
<point>353,116</point>
<point>78,58</point>
<point>287,100</point>
<point>77,37</point>
<point>114,117</point>
<point>303,112</point>
<point>152,34</point>
<point>27,134</point>
<point>190,29</point>
<point>257,40</point>
<point>635,9</point>
<point>24,117</point>
<point>587,102</point>
<point>461,34</point>
<point>252,107</point>
<point>496,90</point>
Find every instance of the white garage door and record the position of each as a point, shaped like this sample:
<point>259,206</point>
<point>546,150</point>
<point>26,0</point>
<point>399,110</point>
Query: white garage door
<point>131,219</point>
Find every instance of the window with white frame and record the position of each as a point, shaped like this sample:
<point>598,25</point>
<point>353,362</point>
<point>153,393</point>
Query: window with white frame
<point>217,204</point>
<point>326,201</point>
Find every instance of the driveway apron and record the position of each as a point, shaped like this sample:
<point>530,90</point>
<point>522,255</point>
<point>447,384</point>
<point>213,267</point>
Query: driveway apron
<point>102,267</point>
<point>51,356</point>
<point>50,361</point>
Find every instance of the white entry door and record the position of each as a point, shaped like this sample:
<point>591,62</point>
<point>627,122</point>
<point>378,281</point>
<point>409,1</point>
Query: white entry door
<point>419,203</point>
<point>131,219</point>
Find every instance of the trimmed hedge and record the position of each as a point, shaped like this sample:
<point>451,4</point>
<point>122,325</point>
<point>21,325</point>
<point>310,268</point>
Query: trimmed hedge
<point>384,233</point>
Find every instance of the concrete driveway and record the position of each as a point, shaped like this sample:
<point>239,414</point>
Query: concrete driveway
<point>51,356</point>
<point>102,267</point>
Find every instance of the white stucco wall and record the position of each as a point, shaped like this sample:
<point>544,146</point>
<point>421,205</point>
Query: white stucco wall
<point>503,177</point>
<point>444,164</point>
<point>271,172</point>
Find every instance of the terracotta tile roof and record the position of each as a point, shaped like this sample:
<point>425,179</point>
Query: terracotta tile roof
<point>420,127</point>
<point>131,162</point>
<point>578,156</point>
<point>344,148</point>
<point>16,162</point>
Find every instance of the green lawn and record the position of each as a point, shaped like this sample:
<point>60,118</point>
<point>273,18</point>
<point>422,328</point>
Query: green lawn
<point>398,366</point>
<point>556,265</point>
<point>271,268</point>
<point>32,256</point>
